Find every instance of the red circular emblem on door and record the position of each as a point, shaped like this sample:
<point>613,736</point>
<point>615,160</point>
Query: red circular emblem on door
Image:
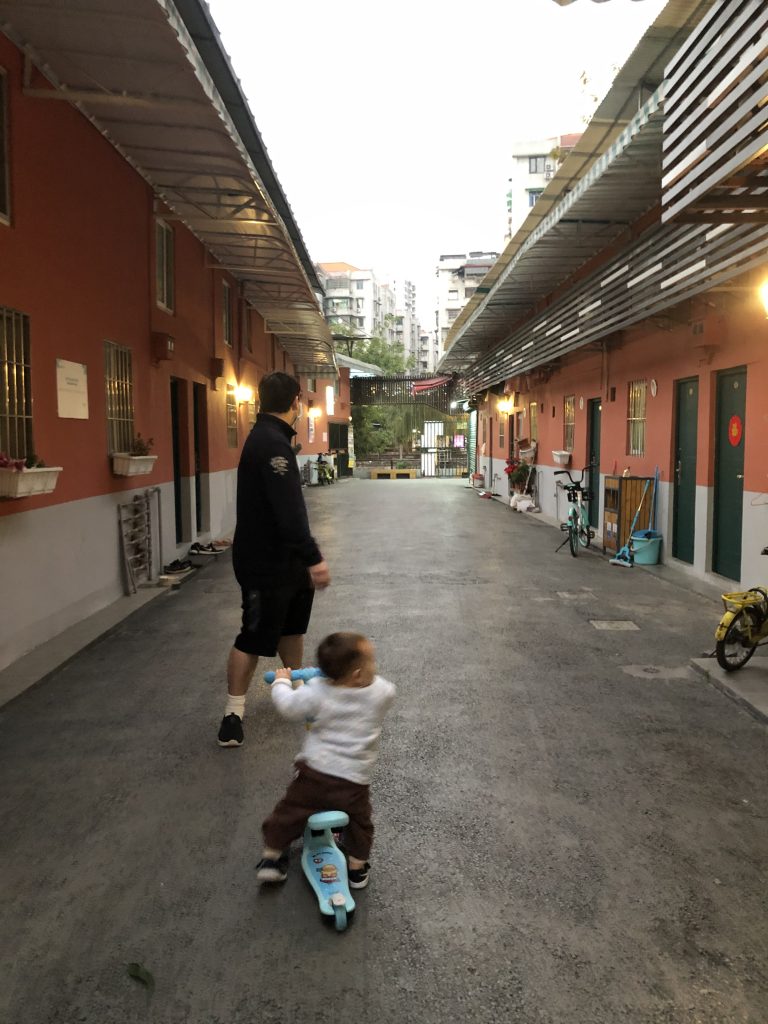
<point>735,430</point>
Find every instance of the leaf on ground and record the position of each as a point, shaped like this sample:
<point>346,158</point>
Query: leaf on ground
<point>140,973</point>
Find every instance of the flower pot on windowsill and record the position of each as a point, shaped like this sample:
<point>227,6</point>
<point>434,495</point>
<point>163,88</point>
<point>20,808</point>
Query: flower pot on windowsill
<point>125,464</point>
<point>561,458</point>
<point>22,483</point>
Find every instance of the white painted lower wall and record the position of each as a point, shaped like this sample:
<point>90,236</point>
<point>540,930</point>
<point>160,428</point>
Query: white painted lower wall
<point>554,504</point>
<point>63,563</point>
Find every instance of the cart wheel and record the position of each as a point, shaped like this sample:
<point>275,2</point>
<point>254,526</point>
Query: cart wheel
<point>340,918</point>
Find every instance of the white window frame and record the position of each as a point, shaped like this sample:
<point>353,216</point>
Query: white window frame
<point>5,159</point>
<point>226,313</point>
<point>165,266</point>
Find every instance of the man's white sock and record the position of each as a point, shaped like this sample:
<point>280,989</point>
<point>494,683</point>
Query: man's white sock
<point>235,706</point>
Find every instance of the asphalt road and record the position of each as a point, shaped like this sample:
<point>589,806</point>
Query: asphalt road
<point>571,825</point>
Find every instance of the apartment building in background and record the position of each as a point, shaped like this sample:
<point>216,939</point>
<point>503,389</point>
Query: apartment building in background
<point>355,299</point>
<point>534,163</point>
<point>458,276</point>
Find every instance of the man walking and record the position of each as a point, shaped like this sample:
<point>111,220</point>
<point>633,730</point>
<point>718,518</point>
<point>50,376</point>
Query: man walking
<point>275,557</point>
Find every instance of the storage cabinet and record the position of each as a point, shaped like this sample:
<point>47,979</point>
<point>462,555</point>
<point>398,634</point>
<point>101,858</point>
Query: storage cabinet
<point>621,496</point>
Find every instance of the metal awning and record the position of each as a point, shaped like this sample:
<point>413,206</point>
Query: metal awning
<point>607,181</point>
<point>614,193</point>
<point>154,79</point>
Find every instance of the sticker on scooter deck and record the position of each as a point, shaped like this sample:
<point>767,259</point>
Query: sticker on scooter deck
<point>326,871</point>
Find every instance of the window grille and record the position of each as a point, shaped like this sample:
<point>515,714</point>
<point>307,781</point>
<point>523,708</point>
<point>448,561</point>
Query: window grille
<point>231,418</point>
<point>533,421</point>
<point>569,422</point>
<point>15,385</point>
<point>636,400</point>
<point>118,377</point>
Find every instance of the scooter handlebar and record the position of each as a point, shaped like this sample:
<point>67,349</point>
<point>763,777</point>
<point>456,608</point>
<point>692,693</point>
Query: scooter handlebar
<point>304,674</point>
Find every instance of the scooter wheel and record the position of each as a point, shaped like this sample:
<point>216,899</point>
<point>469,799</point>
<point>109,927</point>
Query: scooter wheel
<point>340,918</point>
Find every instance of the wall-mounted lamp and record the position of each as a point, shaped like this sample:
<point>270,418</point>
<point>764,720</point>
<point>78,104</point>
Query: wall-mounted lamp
<point>505,405</point>
<point>243,394</point>
<point>763,290</point>
<point>314,412</point>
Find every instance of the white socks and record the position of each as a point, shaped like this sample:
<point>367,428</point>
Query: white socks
<point>235,706</point>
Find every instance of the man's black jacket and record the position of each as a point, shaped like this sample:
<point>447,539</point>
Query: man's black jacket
<point>273,545</point>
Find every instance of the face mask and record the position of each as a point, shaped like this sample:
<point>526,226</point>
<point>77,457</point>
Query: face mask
<point>299,412</point>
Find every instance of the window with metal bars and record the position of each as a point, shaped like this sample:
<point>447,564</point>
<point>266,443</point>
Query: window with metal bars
<point>569,422</point>
<point>533,421</point>
<point>501,430</point>
<point>5,190</point>
<point>15,385</point>
<point>118,378</point>
<point>231,418</point>
<point>164,265</point>
<point>636,401</point>
<point>253,409</point>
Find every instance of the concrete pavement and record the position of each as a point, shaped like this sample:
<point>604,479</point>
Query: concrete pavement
<point>571,823</point>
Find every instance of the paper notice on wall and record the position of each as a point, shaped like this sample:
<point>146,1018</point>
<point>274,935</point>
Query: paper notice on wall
<point>72,389</point>
<point>325,438</point>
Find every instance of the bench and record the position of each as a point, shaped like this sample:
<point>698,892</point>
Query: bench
<point>393,474</point>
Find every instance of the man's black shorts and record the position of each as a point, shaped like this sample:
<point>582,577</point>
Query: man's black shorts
<point>270,613</point>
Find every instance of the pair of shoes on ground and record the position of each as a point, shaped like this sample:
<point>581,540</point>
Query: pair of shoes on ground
<point>204,549</point>
<point>268,870</point>
<point>177,566</point>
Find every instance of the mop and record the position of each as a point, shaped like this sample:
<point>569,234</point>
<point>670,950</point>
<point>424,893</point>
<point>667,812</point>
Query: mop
<point>625,556</point>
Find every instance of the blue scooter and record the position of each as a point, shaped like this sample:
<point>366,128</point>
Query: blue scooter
<point>321,860</point>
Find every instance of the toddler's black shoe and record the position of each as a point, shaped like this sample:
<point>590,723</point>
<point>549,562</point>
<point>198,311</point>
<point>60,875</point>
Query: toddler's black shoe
<point>268,870</point>
<point>231,731</point>
<point>358,877</point>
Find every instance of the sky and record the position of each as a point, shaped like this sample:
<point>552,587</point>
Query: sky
<point>389,124</point>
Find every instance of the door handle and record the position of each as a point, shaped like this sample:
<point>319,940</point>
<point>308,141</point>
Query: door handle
<point>679,471</point>
<point>739,476</point>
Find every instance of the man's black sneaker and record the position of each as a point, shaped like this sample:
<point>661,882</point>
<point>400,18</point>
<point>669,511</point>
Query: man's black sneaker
<point>231,731</point>
<point>358,877</point>
<point>268,870</point>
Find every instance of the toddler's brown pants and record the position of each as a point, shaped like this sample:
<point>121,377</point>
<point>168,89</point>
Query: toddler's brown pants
<point>313,791</point>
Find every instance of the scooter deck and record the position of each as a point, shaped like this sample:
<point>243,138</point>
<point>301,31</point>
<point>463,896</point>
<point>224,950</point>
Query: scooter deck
<point>326,870</point>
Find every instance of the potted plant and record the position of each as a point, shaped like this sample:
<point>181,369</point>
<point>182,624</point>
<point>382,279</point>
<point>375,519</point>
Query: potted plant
<point>518,478</point>
<point>20,478</point>
<point>137,461</point>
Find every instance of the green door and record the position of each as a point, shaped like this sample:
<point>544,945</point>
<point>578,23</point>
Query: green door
<point>729,472</point>
<point>595,415</point>
<point>686,436</point>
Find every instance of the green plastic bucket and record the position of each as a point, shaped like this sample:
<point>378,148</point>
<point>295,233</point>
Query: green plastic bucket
<point>646,546</point>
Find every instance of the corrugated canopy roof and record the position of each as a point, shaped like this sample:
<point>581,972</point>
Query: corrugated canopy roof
<point>154,78</point>
<point>607,181</point>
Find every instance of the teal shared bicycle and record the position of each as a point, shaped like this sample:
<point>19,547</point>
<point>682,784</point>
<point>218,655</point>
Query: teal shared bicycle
<point>580,533</point>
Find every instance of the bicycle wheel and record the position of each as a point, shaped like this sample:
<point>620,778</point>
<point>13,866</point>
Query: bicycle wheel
<point>584,533</point>
<point>736,648</point>
<point>573,533</point>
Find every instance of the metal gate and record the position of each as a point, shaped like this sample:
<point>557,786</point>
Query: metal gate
<point>443,452</point>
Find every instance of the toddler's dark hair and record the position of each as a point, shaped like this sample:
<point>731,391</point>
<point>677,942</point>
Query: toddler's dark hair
<point>338,654</point>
